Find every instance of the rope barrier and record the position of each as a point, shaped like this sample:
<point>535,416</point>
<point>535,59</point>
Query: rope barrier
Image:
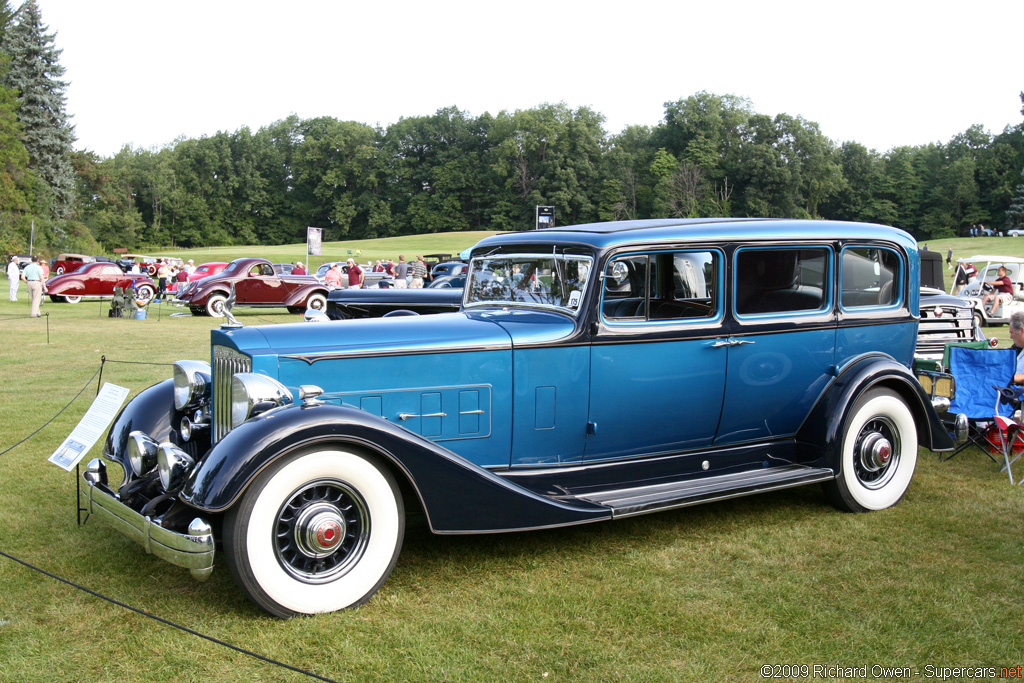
<point>6,450</point>
<point>168,622</point>
<point>103,361</point>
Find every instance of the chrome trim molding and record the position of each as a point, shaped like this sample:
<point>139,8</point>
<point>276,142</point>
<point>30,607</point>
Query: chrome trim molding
<point>330,355</point>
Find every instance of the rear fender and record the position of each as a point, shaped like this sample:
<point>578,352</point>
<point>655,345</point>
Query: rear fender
<point>299,296</point>
<point>456,495</point>
<point>820,437</point>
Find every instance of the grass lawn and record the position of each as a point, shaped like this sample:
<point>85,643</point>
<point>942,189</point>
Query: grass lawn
<point>706,593</point>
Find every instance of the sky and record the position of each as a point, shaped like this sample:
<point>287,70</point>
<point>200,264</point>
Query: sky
<point>884,74</point>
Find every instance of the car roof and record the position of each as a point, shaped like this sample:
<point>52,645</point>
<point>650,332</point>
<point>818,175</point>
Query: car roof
<point>619,233</point>
<point>989,259</point>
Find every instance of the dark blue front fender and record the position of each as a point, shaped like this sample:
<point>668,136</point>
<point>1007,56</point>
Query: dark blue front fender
<point>457,496</point>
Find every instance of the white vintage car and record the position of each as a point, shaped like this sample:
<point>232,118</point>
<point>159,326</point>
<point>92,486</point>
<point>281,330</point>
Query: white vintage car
<point>975,290</point>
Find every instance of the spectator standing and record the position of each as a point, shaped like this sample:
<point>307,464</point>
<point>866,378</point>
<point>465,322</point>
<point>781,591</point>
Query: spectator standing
<point>378,267</point>
<point>13,277</point>
<point>298,269</point>
<point>33,275</point>
<point>190,268</point>
<point>419,273</point>
<point>355,275</point>
<point>949,259</point>
<point>333,277</point>
<point>163,273</point>
<point>182,279</point>
<point>401,270</point>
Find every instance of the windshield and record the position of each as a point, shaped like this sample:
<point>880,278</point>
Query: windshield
<point>546,280</point>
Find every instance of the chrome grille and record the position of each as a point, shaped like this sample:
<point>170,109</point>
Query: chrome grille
<point>226,362</point>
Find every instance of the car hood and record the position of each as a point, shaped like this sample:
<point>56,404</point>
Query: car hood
<point>390,294</point>
<point>478,330</point>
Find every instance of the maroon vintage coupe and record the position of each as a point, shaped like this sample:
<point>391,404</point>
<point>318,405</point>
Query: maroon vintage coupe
<point>94,280</point>
<point>256,284</point>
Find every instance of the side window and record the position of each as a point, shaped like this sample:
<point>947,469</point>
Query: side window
<point>781,280</point>
<point>662,286</point>
<point>870,277</point>
<point>625,288</point>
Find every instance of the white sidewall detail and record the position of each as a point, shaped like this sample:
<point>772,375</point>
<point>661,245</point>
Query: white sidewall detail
<point>361,579</point>
<point>212,308</point>
<point>895,410</point>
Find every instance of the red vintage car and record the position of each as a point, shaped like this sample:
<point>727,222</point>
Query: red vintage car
<point>69,263</point>
<point>206,269</point>
<point>256,284</point>
<point>94,280</point>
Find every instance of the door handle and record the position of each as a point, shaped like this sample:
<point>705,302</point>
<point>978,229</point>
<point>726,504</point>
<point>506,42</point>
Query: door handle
<point>730,342</point>
<point>406,416</point>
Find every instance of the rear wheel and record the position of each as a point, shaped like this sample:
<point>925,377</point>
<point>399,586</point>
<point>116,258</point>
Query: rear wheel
<point>318,302</point>
<point>72,299</point>
<point>145,293</point>
<point>879,453</point>
<point>215,305</point>
<point>316,532</point>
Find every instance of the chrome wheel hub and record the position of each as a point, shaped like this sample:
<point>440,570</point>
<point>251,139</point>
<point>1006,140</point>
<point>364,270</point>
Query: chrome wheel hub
<point>876,452</point>
<point>319,530</point>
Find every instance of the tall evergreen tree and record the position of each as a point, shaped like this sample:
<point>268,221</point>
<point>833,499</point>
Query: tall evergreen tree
<point>34,72</point>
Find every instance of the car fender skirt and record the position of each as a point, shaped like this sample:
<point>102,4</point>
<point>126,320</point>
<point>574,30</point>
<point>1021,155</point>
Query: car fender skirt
<point>821,433</point>
<point>457,496</point>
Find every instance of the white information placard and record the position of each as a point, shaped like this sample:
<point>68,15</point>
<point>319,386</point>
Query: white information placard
<point>91,427</point>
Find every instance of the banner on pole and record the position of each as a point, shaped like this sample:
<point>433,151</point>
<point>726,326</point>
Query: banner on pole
<point>314,243</point>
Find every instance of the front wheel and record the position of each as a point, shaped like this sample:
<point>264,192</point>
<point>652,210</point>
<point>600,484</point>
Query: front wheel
<point>979,320</point>
<point>316,532</point>
<point>879,453</point>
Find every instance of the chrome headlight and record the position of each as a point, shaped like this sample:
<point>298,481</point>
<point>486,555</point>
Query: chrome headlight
<point>173,465</point>
<point>192,380</point>
<point>252,394</point>
<point>141,452</point>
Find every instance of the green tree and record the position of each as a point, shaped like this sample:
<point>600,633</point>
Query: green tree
<point>34,73</point>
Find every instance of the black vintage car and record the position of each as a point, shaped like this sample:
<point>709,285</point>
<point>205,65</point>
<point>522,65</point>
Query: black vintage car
<point>443,295</point>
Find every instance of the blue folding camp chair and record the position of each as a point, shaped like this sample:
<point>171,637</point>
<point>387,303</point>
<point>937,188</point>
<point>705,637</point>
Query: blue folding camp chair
<point>979,374</point>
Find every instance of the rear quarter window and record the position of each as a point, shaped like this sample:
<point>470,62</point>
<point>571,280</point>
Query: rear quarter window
<point>870,277</point>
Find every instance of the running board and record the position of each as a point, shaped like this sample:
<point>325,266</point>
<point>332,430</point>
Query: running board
<point>642,499</point>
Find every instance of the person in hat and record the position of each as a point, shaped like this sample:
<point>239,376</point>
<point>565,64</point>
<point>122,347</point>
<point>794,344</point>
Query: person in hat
<point>13,277</point>
<point>355,274</point>
<point>190,267</point>
<point>298,269</point>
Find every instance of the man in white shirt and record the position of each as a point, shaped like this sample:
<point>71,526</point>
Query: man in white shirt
<point>13,277</point>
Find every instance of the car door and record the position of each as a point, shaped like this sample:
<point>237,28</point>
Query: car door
<point>259,286</point>
<point>782,349</point>
<point>657,365</point>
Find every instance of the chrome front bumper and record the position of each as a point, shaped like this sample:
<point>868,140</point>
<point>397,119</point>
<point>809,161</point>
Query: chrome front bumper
<point>193,550</point>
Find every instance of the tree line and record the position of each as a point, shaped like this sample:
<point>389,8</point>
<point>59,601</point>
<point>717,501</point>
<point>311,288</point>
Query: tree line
<point>712,155</point>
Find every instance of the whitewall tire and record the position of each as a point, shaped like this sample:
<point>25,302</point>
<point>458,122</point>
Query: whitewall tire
<point>215,305</point>
<point>316,532</point>
<point>879,453</point>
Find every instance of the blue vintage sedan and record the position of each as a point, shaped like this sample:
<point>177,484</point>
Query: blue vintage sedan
<point>593,372</point>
